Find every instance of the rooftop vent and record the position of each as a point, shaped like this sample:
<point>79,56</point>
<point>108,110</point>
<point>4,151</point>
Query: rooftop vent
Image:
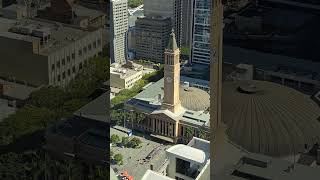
<point>248,89</point>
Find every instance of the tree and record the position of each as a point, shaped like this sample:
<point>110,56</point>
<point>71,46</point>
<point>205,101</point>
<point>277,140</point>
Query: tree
<point>118,158</point>
<point>48,97</point>
<point>115,139</point>
<point>111,155</point>
<point>70,106</point>
<point>135,142</point>
<point>189,132</point>
<point>134,3</point>
<point>28,120</point>
<point>125,141</point>
<point>201,132</point>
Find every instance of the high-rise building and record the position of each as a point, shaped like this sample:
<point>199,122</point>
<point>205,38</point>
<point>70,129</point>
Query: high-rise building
<point>163,8</point>
<point>186,22</point>
<point>119,29</point>
<point>200,36</point>
<point>152,37</point>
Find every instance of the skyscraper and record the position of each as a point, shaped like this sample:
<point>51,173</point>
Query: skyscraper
<point>119,29</point>
<point>200,36</point>
<point>152,36</point>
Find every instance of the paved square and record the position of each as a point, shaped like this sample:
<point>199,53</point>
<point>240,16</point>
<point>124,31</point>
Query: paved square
<point>133,158</point>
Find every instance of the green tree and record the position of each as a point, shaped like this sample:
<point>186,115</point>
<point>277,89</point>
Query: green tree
<point>70,106</point>
<point>48,97</point>
<point>134,3</point>
<point>115,139</point>
<point>111,154</point>
<point>118,158</point>
<point>135,142</point>
<point>125,141</point>
<point>189,132</point>
<point>28,120</point>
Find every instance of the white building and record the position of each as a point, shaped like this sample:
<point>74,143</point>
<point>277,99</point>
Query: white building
<point>119,29</point>
<point>185,162</point>
<point>124,78</point>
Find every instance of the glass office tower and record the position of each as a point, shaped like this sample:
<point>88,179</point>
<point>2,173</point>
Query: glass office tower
<point>200,46</point>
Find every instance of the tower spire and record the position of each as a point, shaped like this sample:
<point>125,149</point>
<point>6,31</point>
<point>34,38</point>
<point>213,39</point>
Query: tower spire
<point>172,45</point>
<point>171,99</point>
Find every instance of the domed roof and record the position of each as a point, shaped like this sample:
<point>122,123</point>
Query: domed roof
<point>194,99</point>
<point>265,117</point>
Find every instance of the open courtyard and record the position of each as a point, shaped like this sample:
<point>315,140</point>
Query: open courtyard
<point>135,161</point>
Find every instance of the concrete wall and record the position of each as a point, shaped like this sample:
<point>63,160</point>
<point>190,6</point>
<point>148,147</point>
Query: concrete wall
<point>17,60</point>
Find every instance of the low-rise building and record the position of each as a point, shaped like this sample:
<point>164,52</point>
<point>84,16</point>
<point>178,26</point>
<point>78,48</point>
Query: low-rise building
<point>189,162</point>
<point>84,136</point>
<point>124,77</point>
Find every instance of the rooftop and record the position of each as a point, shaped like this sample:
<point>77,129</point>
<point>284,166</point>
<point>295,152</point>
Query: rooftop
<point>122,71</point>
<point>16,90</point>
<point>272,62</point>
<point>28,30</point>
<point>154,176</point>
<point>96,109</point>
<point>188,152</point>
<point>278,120</point>
<point>195,103</point>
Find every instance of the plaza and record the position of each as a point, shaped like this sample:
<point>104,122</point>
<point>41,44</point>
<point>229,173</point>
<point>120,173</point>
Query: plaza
<point>134,160</point>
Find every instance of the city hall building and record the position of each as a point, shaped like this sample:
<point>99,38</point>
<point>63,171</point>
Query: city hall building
<point>173,110</point>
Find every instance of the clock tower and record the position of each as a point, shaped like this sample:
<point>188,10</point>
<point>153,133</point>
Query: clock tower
<point>171,99</point>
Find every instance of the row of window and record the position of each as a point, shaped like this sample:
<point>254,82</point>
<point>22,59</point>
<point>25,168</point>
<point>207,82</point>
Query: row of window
<point>69,71</point>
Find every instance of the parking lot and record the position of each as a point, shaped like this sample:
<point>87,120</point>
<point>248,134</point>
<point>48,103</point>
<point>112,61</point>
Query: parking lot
<point>134,160</point>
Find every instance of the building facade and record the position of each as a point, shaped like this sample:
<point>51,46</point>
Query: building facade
<point>152,36</point>
<point>163,8</point>
<point>200,43</point>
<point>124,78</point>
<point>119,29</point>
<point>52,54</point>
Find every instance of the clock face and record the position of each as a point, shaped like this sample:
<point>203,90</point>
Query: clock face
<point>169,79</point>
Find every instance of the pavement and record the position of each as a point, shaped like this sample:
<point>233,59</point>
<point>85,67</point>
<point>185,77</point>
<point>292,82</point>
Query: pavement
<point>133,158</point>
<point>5,110</point>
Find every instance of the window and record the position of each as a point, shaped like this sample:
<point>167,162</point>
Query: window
<point>58,64</point>
<point>69,72</point>
<point>73,56</point>
<point>59,78</point>
<point>68,59</point>
<point>73,69</point>
<point>63,75</point>
<point>89,47</point>
<point>52,67</point>
<point>63,62</point>
<point>80,52</point>
<point>80,65</point>
<point>94,45</point>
